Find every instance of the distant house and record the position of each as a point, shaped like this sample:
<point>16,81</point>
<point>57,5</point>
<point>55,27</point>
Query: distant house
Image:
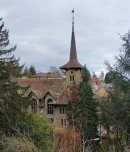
<point>48,75</point>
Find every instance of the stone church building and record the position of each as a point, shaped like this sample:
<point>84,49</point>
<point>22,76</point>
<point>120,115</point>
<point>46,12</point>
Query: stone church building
<point>49,92</point>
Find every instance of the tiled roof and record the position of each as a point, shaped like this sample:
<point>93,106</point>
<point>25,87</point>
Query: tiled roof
<point>41,87</point>
<point>41,83</point>
<point>52,93</point>
<point>38,93</point>
<point>63,98</point>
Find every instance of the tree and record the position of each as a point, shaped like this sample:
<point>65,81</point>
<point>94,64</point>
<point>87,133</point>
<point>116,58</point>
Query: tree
<point>10,101</point>
<point>38,130</point>
<point>17,127</point>
<point>15,144</point>
<point>29,72</point>
<point>57,71</point>
<point>87,108</point>
<point>72,105</point>
<point>120,95</point>
<point>35,134</point>
<point>82,110</point>
<point>67,139</point>
<point>110,77</point>
<point>32,70</point>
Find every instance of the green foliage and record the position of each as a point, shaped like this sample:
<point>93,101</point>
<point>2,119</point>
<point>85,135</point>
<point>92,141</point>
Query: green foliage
<point>82,108</point>
<point>87,111</point>
<point>124,58</point>
<point>29,72</point>
<point>110,77</point>
<point>39,130</point>
<point>85,74</point>
<point>32,70</point>
<point>17,128</point>
<point>33,132</point>
<point>12,104</point>
<point>72,105</point>
<point>105,116</point>
<point>119,96</point>
<point>15,144</point>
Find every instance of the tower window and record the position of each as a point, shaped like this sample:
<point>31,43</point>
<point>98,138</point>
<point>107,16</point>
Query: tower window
<point>50,107</point>
<point>72,78</point>
<point>34,105</point>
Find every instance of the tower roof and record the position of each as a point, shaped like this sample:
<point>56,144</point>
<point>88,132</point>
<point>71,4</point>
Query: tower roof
<point>73,61</point>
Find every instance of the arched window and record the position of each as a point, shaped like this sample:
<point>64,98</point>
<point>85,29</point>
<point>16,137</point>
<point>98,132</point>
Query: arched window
<point>49,106</point>
<point>72,78</point>
<point>34,105</point>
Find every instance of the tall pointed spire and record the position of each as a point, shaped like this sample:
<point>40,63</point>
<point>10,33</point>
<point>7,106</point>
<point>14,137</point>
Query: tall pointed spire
<point>73,52</point>
<point>73,20</point>
<point>73,61</point>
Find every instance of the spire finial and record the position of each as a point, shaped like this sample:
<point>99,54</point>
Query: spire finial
<point>73,20</point>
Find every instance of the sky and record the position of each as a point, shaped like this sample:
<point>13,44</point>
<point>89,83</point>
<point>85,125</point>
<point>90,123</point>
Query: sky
<point>42,31</point>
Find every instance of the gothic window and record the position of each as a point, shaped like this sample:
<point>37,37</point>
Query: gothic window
<point>49,106</point>
<point>72,78</point>
<point>34,105</point>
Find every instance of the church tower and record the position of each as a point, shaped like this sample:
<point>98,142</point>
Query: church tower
<point>73,67</point>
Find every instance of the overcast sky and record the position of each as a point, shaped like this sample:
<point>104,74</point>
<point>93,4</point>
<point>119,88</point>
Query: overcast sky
<point>42,30</point>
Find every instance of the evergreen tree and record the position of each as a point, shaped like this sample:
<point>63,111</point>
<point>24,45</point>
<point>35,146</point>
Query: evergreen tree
<point>111,76</point>
<point>119,96</point>
<point>12,104</point>
<point>29,72</point>
<point>25,71</point>
<point>72,105</point>
<point>18,129</point>
<point>82,109</point>
<point>87,108</point>
<point>32,70</point>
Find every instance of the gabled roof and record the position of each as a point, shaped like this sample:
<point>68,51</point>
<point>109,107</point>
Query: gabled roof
<point>36,93</point>
<point>40,87</point>
<point>52,93</point>
<point>63,98</point>
<point>40,94</point>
